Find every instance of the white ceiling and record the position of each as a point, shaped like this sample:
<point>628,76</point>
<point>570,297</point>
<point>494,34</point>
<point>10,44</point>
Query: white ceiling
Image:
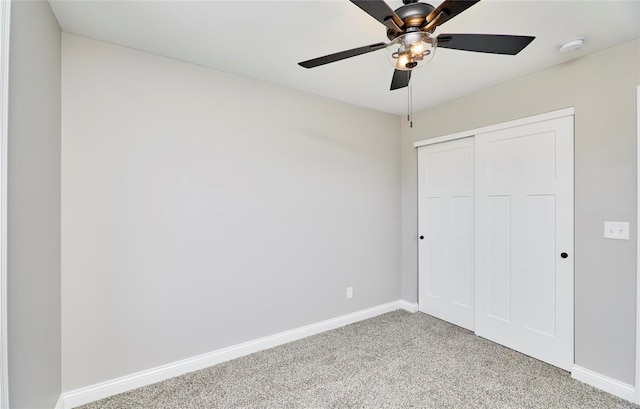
<point>266,39</point>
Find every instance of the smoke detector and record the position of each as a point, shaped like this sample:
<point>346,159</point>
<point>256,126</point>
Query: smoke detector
<point>572,44</point>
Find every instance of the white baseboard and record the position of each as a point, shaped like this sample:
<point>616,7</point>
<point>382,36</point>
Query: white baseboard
<point>409,306</point>
<point>613,386</point>
<point>126,383</point>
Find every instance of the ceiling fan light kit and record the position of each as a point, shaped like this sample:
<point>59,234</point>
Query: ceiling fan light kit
<point>412,43</point>
<point>411,50</point>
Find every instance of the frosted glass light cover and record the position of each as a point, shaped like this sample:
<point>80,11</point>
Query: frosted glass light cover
<point>411,50</point>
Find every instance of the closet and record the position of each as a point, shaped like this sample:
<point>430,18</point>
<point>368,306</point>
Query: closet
<point>495,225</point>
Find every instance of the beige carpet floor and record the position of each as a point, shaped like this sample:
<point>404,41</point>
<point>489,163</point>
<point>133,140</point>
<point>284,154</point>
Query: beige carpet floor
<point>396,360</point>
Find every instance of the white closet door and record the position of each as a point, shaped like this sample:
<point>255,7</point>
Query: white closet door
<point>524,239</point>
<point>446,177</point>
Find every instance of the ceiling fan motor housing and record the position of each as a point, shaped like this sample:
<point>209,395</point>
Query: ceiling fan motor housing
<point>414,16</point>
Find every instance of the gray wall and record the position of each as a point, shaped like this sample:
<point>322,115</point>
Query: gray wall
<point>201,210</point>
<point>34,207</point>
<point>602,88</point>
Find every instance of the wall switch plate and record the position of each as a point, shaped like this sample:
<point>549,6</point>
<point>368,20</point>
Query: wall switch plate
<point>616,230</point>
<point>349,292</point>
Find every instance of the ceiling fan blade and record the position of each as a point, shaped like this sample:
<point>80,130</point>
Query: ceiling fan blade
<point>341,55</point>
<point>485,43</point>
<point>400,79</point>
<point>450,9</point>
<point>379,10</point>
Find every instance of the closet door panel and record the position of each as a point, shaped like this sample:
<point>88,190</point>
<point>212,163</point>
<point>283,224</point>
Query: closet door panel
<point>524,224</point>
<point>446,224</point>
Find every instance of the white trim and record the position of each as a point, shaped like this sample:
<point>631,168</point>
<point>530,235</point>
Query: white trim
<point>409,306</point>
<point>60,403</point>
<point>5,18</point>
<point>613,386</point>
<point>638,249</point>
<point>498,127</point>
<point>126,383</point>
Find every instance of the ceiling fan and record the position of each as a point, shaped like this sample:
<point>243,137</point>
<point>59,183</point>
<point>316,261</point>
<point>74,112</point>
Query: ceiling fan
<point>412,42</point>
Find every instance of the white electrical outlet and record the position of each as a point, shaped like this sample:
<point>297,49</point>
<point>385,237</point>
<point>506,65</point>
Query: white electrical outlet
<point>616,230</point>
<point>349,292</point>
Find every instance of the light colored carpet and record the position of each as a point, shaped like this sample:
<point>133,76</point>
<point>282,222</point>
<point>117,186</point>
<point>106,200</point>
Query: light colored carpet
<point>396,360</point>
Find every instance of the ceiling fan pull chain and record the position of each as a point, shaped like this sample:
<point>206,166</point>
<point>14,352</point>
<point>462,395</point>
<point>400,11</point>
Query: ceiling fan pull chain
<point>410,105</point>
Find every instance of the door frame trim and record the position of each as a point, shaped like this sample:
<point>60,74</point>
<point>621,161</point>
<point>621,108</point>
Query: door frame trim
<point>5,19</point>
<point>637,374</point>
<point>498,127</point>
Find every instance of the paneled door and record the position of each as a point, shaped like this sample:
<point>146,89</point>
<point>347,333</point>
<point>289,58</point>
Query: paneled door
<point>524,239</point>
<point>446,177</point>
